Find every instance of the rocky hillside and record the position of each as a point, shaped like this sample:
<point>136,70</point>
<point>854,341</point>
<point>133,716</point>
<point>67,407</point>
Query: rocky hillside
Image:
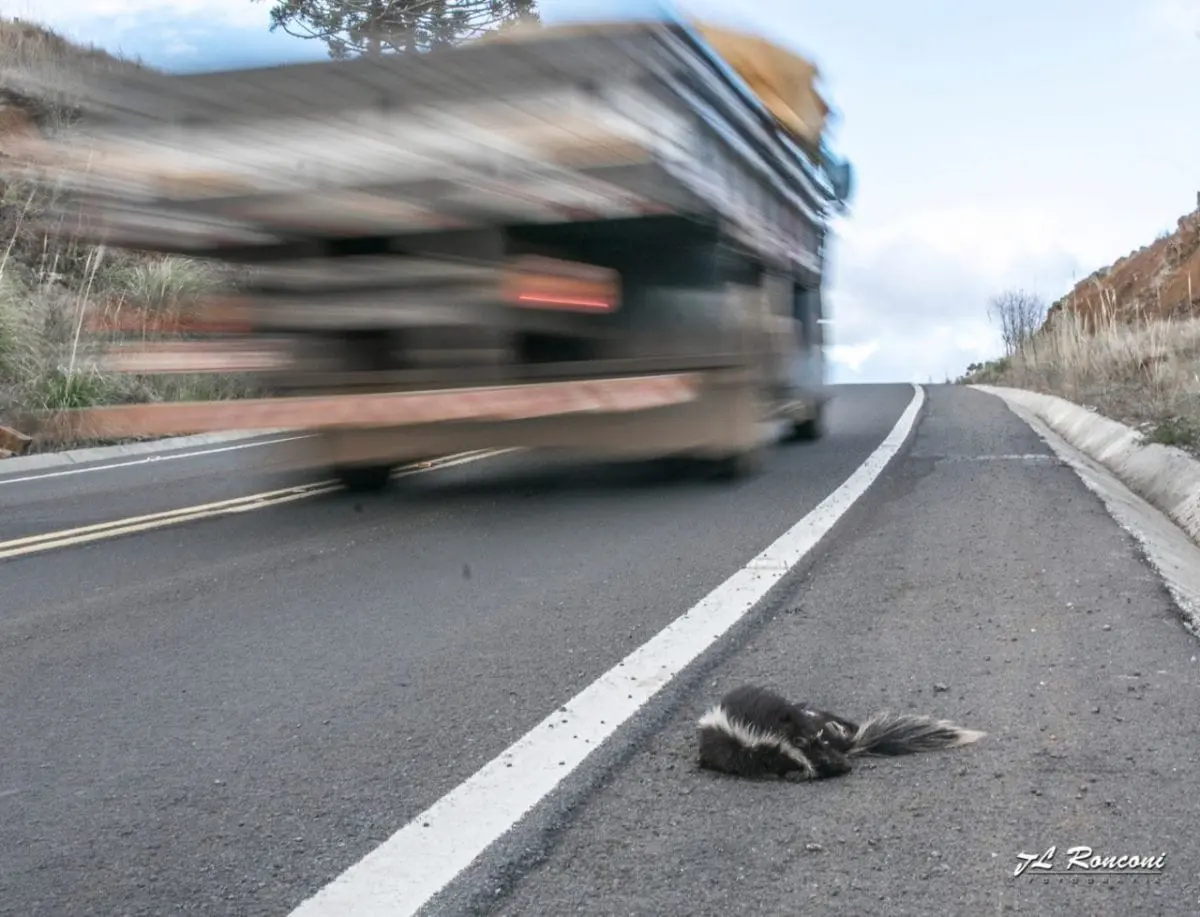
<point>1125,342</point>
<point>1160,280</point>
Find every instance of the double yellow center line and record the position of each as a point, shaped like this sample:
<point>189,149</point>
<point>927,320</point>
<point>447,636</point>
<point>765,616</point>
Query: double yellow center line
<point>33,544</point>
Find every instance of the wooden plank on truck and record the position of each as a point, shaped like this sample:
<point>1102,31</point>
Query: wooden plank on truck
<point>173,357</point>
<point>388,409</point>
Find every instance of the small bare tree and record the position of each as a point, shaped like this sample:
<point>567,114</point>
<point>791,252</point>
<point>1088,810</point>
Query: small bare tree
<point>1019,315</point>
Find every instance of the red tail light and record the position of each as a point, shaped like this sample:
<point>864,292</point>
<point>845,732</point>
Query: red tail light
<point>566,302</point>
<point>546,283</point>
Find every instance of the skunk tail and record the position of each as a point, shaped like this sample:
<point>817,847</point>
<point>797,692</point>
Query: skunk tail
<point>907,734</point>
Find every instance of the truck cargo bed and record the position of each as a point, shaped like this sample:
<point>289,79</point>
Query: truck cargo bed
<point>631,120</point>
<point>599,240</point>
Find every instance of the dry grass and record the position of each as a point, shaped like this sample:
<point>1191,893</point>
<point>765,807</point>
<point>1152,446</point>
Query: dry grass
<point>1145,373</point>
<point>1159,280</point>
<point>28,46</point>
<point>50,284</point>
<point>46,346</point>
<point>45,71</point>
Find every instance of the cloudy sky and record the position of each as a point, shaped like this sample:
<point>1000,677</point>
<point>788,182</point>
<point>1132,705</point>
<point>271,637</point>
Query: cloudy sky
<point>996,146</point>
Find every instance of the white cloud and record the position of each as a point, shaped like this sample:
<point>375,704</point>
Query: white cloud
<point>1169,32</point>
<point>853,356</point>
<point>1175,18</point>
<point>993,241</point>
<point>175,45</point>
<point>908,298</point>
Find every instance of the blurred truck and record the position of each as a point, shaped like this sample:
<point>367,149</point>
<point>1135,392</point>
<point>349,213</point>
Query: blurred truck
<point>609,238</point>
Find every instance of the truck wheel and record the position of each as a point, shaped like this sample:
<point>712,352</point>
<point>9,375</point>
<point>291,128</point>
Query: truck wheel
<point>739,466</point>
<point>363,478</point>
<point>672,467</point>
<point>809,430</point>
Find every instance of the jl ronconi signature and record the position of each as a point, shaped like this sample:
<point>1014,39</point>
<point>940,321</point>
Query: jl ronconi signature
<point>1082,859</point>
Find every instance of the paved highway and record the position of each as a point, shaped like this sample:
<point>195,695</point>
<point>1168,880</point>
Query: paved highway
<point>223,712</point>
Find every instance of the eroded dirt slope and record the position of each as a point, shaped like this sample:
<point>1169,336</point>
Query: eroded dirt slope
<point>1159,280</point>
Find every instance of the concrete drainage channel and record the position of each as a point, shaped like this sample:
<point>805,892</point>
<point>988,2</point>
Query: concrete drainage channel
<point>1165,477</point>
<point>1127,473</point>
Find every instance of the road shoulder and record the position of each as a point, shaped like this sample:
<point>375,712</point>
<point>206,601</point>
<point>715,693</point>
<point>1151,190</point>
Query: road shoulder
<point>42,461</point>
<point>988,585</point>
<point>1166,477</point>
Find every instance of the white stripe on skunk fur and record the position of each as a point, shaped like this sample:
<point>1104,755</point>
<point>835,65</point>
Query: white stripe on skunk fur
<point>750,738</point>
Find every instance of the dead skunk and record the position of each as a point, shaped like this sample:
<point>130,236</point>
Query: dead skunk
<point>754,732</point>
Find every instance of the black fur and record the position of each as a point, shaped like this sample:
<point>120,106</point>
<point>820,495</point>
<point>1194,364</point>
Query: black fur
<point>754,732</point>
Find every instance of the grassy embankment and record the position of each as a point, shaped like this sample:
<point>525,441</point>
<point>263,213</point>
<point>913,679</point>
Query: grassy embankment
<point>54,289</point>
<point>1125,341</point>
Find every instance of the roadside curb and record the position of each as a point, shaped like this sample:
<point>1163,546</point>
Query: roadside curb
<point>100,453</point>
<point>1165,477</point>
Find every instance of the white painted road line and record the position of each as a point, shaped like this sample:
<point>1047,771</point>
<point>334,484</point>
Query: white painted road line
<point>401,875</point>
<point>149,460</point>
<point>65,538</point>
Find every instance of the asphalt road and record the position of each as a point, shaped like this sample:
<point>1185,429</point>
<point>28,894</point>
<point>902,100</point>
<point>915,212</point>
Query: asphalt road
<point>220,717</point>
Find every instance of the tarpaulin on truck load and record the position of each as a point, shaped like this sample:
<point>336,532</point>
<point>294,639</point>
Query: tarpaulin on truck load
<point>784,81</point>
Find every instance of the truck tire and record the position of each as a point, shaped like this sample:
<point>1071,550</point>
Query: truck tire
<point>668,468</point>
<point>363,478</point>
<point>739,466</point>
<point>811,430</point>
